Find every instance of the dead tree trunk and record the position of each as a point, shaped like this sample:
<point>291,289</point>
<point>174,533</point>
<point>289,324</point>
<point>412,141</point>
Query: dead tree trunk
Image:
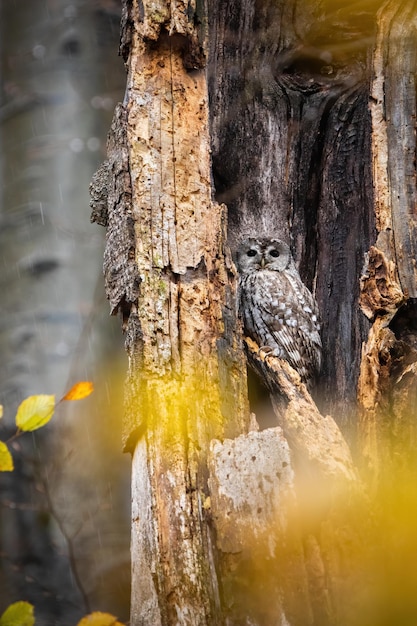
<point>279,95</point>
<point>167,272</point>
<point>387,385</point>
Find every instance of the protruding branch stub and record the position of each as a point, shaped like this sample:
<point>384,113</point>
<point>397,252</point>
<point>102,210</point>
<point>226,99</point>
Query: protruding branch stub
<point>381,293</point>
<point>316,440</point>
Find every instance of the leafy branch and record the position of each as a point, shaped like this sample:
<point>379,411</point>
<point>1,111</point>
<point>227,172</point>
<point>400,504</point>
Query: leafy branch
<point>33,413</point>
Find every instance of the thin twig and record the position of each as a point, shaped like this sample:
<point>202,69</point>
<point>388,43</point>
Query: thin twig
<point>70,547</point>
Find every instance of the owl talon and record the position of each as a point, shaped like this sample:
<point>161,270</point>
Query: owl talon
<point>265,350</point>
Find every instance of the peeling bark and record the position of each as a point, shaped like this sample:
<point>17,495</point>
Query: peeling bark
<point>394,112</point>
<point>387,384</point>
<point>186,376</point>
<point>291,129</point>
<point>112,207</point>
<point>315,441</point>
<point>381,295</point>
<point>285,112</point>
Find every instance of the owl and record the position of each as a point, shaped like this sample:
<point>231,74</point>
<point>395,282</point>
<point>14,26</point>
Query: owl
<point>278,311</point>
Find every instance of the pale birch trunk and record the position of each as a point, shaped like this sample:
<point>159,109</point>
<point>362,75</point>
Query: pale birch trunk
<point>59,71</point>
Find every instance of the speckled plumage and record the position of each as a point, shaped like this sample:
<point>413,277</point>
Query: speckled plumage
<point>277,309</point>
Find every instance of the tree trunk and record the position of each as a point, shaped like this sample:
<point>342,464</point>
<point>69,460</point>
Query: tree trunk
<point>59,74</point>
<point>279,94</point>
<point>167,272</point>
<point>387,385</point>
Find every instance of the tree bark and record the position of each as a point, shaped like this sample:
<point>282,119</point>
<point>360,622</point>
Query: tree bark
<point>283,105</point>
<point>291,154</point>
<point>169,275</point>
<point>387,385</point>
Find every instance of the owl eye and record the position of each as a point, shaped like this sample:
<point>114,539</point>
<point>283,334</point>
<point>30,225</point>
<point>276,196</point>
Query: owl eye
<point>274,253</point>
<point>251,252</point>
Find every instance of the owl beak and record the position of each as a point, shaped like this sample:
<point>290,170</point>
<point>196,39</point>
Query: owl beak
<point>263,262</point>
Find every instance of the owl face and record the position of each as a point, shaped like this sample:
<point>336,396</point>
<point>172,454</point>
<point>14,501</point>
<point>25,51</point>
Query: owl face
<point>257,254</point>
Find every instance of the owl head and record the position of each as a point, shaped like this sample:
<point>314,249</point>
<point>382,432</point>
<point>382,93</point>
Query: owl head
<point>263,253</point>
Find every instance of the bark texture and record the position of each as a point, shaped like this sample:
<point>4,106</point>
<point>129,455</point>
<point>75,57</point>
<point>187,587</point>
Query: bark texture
<point>316,441</point>
<point>289,86</point>
<point>285,113</point>
<point>387,385</point>
<point>186,382</point>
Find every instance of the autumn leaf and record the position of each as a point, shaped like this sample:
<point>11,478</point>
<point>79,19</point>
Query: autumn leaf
<point>79,391</point>
<point>34,412</point>
<point>1,411</point>
<point>18,614</point>
<point>99,619</point>
<point>6,460</point>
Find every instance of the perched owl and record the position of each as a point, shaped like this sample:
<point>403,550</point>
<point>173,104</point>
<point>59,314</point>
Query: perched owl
<point>277,309</point>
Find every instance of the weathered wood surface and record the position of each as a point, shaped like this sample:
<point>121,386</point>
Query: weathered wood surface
<point>294,150</point>
<point>387,383</point>
<point>252,500</point>
<point>393,108</point>
<point>316,441</point>
<point>289,85</point>
<point>186,382</point>
<point>273,498</point>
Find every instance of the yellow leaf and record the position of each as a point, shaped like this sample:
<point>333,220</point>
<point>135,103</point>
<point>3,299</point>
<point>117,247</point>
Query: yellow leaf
<point>99,619</point>
<point>6,460</point>
<point>1,411</point>
<point>34,412</point>
<point>79,391</point>
<point>18,614</point>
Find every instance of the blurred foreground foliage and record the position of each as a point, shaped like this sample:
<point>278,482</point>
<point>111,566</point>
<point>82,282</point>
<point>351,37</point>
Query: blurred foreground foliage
<point>361,543</point>
<point>348,553</point>
<point>36,411</point>
<point>22,614</point>
<point>33,413</point>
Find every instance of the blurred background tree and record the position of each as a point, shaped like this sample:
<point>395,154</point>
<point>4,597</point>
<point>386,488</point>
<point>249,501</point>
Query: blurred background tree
<point>64,511</point>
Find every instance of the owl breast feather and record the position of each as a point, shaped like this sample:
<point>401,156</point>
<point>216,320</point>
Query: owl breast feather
<point>280,313</point>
